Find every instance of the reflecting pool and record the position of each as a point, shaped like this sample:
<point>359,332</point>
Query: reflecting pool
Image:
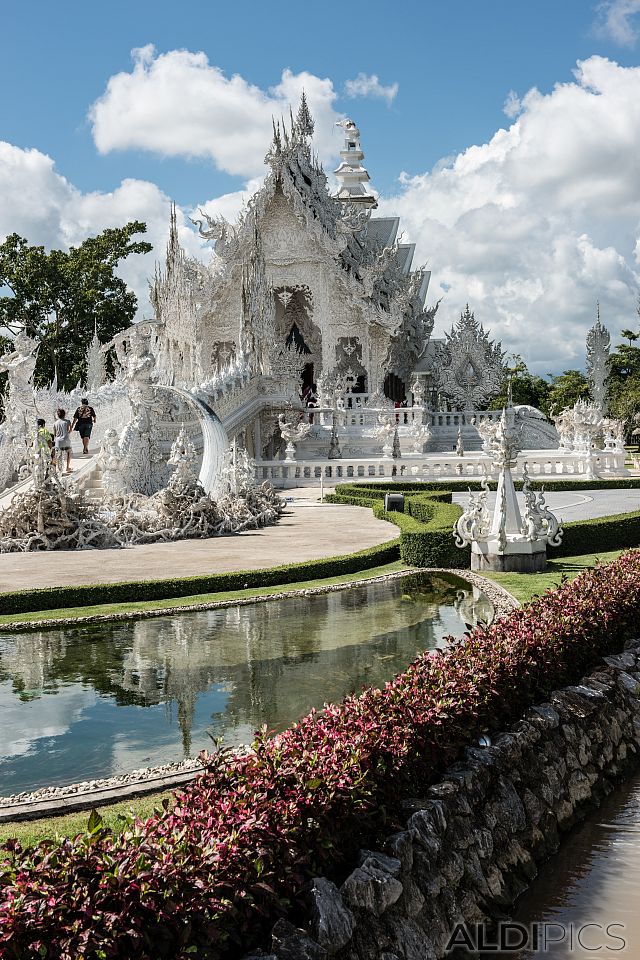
<point>88,702</point>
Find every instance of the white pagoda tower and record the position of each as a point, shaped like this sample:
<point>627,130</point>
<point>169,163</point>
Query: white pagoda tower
<point>351,175</point>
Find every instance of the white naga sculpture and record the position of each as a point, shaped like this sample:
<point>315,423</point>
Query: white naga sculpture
<point>598,344</point>
<point>507,541</point>
<point>96,365</point>
<point>292,433</point>
<point>139,444</point>
<point>111,467</point>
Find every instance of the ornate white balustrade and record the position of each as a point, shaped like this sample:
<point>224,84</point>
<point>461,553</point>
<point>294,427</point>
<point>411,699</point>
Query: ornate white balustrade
<point>542,464</point>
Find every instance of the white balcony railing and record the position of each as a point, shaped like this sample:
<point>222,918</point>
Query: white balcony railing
<point>541,464</point>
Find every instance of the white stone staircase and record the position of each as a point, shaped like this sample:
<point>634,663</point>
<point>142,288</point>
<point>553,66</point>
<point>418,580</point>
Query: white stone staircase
<point>92,483</point>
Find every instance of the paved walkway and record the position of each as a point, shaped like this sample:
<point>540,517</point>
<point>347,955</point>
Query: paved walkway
<point>577,504</point>
<point>307,531</point>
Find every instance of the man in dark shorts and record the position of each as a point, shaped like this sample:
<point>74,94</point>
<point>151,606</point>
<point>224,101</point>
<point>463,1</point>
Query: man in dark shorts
<point>83,421</point>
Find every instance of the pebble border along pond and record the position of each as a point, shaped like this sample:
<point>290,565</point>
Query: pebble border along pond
<point>52,801</point>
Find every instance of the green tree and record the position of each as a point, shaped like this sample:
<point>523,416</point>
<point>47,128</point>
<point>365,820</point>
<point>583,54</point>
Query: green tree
<point>630,335</point>
<point>526,387</point>
<point>5,346</point>
<point>59,296</point>
<point>565,389</point>
<point>624,380</point>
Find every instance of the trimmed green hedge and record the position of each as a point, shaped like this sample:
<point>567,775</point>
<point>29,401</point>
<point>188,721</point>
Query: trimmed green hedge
<point>598,535</point>
<point>54,598</point>
<point>550,485</point>
<point>426,526</point>
<point>426,538</point>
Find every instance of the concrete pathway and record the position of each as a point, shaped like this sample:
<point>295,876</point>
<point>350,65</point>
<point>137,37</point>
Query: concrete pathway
<point>308,530</point>
<point>577,504</point>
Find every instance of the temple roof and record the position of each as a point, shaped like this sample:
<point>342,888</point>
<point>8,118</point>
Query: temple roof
<point>404,257</point>
<point>383,230</point>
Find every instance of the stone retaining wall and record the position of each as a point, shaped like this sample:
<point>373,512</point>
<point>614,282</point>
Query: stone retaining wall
<point>470,846</point>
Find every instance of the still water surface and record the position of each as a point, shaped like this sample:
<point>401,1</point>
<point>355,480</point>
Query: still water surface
<point>90,702</point>
<point>590,890</point>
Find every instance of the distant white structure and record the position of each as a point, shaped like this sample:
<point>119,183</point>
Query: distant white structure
<point>507,541</point>
<point>598,346</point>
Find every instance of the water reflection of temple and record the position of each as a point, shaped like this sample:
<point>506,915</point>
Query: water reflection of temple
<point>273,660</point>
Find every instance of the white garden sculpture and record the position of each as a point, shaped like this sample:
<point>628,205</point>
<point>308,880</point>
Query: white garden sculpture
<point>292,433</point>
<point>507,540</point>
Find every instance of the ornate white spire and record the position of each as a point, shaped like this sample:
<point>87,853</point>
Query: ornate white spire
<point>351,175</point>
<point>96,370</point>
<point>598,343</point>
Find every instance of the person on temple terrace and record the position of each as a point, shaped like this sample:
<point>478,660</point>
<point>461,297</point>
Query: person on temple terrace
<point>62,439</point>
<point>44,438</point>
<point>83,421</point>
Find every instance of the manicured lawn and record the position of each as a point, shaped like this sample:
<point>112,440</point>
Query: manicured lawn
<point>29,832</point>
<point>72,613</point>
<point>524,586</point>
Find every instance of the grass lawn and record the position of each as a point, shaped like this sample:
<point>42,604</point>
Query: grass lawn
<point>29,832</point>
<point>73,613</point>
<point>524,586</point>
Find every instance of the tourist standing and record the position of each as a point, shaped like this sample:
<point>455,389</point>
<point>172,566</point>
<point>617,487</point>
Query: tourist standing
<point>83,421</point>
<point>62,439</point>
<point>44,438</point>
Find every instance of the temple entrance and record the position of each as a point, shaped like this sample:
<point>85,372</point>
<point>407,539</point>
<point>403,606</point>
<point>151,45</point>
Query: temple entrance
<point>294,323</point>
<point>296,341</point>
<point>394,387</point>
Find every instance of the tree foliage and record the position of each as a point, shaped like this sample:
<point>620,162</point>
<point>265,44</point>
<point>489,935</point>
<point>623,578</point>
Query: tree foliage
<point>624,380</point>
<point>565,389</point>
<point>526,387</point>
<point>59,296</point>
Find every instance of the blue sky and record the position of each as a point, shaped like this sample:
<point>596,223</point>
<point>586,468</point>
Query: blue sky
<point>445,69</point>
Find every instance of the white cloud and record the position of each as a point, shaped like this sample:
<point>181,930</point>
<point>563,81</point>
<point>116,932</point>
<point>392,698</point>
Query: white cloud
<point>178,104</point>
<point>512,105</point>
<point>535,225</point>
<point>41,205</point>
<point>615,20</point>
<point>531,227</point>
<point>370,86</point>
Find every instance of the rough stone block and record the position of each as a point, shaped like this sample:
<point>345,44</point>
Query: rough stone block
<point>544,716</point>
<point>332,923</point>
<point>368,888</point>
<point>423,831</point>
<point>411,941</point>
<point>453,869</point>
<point>622,661</point>
<point>380,861</point>
<point>290,943</point>
<point>629,684</point>
<point>400,846</point>
<point>412,901</point>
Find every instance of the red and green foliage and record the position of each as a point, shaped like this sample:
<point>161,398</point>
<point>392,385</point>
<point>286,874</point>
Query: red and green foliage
<point>208,877</point>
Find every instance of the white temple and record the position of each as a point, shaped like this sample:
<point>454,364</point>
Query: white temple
<point>310,294</point>
<point>305,342</point>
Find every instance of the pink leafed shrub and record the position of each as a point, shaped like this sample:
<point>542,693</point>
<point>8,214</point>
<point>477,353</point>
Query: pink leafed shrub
<point>209,876</point>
